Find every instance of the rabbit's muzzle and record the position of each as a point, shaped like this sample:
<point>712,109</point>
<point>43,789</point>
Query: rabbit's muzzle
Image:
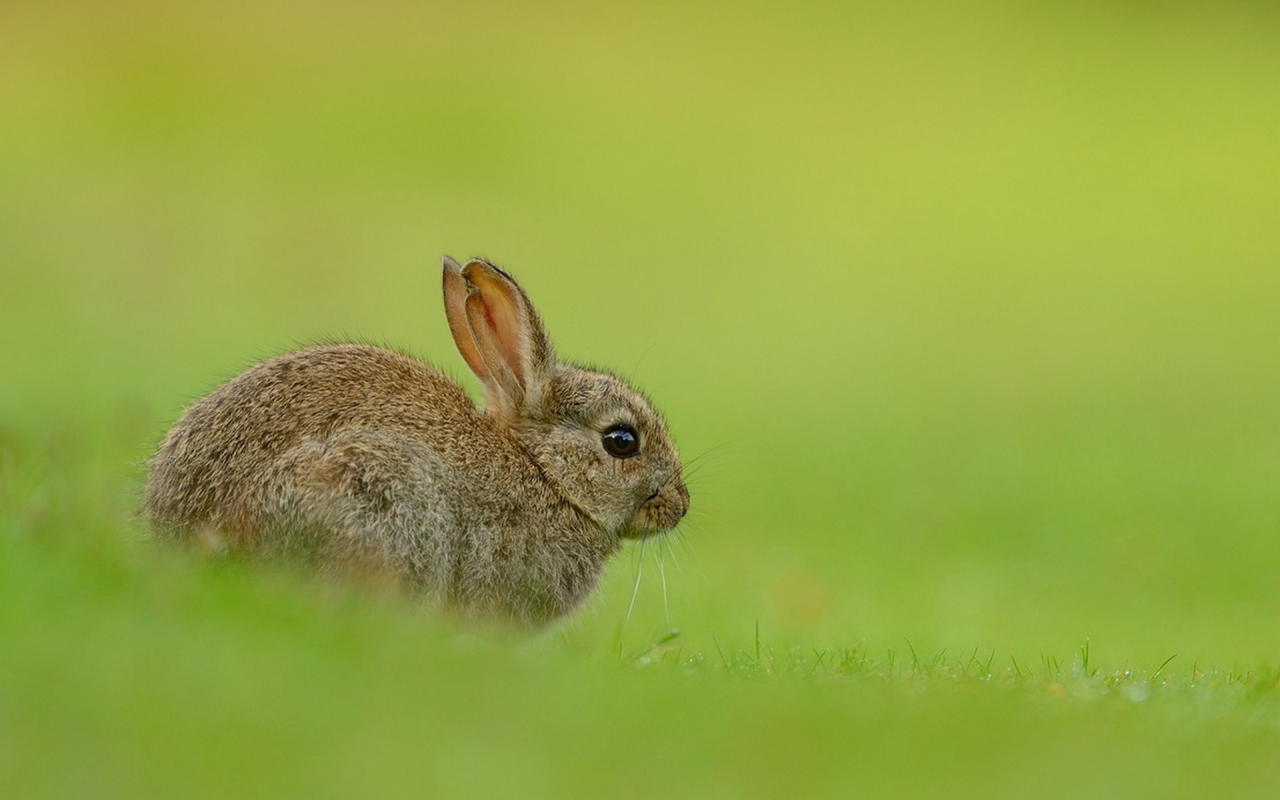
<point>661,511</point>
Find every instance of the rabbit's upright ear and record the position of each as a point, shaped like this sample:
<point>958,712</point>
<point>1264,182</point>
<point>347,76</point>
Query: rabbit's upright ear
<point>509,338</point>
<point>455,310</point>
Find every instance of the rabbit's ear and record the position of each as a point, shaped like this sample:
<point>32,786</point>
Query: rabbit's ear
<point>455,309</point>
<point>509,337</point>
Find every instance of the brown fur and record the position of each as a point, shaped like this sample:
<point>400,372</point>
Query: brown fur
<point>365,461</point>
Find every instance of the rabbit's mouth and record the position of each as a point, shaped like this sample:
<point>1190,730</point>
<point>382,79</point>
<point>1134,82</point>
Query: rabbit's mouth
<point>660,511</point>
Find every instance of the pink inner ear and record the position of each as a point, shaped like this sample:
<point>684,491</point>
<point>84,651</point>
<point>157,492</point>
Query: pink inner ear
<point>502,316</point>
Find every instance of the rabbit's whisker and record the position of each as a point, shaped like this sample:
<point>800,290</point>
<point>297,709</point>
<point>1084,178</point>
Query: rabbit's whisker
<point>662,572</point>
<point>635,590</point>
<point>675,537</point>
<point>708,456</point>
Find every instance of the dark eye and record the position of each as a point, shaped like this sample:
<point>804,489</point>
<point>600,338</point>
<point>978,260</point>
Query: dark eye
<point>621,441</point>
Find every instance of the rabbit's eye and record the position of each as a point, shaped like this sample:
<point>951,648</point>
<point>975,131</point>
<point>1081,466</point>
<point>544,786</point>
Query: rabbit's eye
<point>621,441</point>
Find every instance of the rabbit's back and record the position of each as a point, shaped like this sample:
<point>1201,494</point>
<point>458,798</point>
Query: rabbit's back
<point>220,465</point>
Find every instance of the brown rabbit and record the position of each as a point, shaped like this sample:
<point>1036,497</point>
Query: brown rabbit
<point>359,458</point>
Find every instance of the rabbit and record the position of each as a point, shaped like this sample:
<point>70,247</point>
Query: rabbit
<point>364,460</point>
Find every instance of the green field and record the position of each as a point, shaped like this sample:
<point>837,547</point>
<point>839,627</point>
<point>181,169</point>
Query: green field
<point>969,318</point>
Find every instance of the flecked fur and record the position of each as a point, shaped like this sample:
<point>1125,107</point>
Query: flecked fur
<point>363,460</point>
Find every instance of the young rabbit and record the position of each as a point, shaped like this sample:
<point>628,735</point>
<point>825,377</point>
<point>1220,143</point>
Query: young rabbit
<point>361,459</point>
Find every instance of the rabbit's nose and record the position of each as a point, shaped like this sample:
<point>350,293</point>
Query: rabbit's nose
<point>682,492</point>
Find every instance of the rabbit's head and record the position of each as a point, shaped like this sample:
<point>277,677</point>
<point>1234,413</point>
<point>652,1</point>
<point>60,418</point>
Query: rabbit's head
<point>595,437</point>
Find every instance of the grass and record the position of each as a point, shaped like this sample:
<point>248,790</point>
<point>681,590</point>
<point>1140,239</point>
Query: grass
<point>966,315</point>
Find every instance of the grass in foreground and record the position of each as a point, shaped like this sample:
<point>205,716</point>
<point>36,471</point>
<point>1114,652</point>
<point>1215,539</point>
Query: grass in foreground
<point>132,672</point>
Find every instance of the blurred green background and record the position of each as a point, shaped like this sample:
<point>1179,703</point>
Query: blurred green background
<point>971,314</point>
